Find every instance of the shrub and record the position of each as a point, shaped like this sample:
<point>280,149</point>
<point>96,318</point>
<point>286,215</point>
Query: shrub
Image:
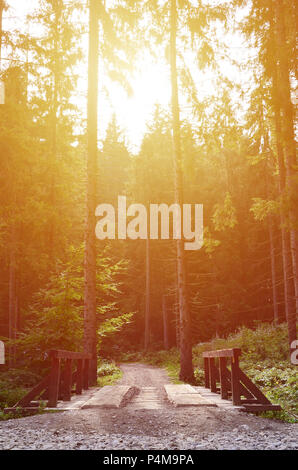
<point>107,373</point>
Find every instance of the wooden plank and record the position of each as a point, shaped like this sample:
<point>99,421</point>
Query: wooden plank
<point>252,401</point>
<point>86,374</point>
<point>27,409</point>
<point>25,401</point>
<point>185,395</point>
<point>67,380</point>
<point>261,407</point>
<point>62,354</point>
<point>74,378</point>
<point>206,369</point>
<point>216,371</point>
<point>212,374</point>
<point>243,390</point>
<point>54,383</point>
<point>111,396</point>
<point>235,382</point>
<point>253,388</point>
<point>79,375</point>
<point>223,376</point>
<point>234,352</point>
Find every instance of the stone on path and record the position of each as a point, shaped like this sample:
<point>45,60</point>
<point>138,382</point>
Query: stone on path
<point>186,395</point>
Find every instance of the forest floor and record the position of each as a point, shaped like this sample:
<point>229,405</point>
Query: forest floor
<point>160,426</point>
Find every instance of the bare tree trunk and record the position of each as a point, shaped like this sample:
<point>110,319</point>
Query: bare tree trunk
<point>269,195</point>
<point>286,258</point>
<point>147,296</point>
<point>12,304</point>
<point>273,270</point>
<point>288,142</point>
<point>1,16</point>
<point>53,144</point>
<point>90,333</point>
<point>286,255</point>
<point>186,366</point>
<point>165,323</point>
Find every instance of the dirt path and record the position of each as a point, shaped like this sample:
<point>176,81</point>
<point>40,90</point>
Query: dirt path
<point>138,427</point>
<point>143,375</point>
<point>151,381</point>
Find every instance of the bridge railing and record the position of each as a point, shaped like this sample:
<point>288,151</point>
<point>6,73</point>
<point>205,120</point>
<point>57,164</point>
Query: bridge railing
<point>68,369</point>
<point>61,379</point>
<point>233,383</point>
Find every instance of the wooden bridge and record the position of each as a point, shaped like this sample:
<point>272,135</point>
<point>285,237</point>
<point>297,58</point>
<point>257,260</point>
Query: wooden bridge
<point>226,385</point>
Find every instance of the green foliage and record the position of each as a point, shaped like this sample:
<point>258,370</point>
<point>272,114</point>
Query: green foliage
<point>199,376</point>
<point>262,208</point>
<point>24,378</point>
<point>266,342</point>
<point>14,384</point>
<point>55,318</point>
<point>10,396</point>
<point>280,385</point>
<point>224,215</point>
<point>113,325</point>
<point>108,373</point>
<point>210,243</point>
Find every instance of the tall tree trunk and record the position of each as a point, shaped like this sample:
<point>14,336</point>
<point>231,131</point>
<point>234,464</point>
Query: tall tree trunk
<point>1,16</point>
<point>53,137</point>
<point>285,242</point>
<point>2,86</point>
<point>12,303</point>
<point>288,142</point>
<point>186,366</point>
<point>273,270</point>
<point>147,297</point>
<point>269,195</point>
<point>90,333</point>
<point>165,323</point>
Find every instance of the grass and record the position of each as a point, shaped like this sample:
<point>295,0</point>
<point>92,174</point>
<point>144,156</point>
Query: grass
<point>108,373</point>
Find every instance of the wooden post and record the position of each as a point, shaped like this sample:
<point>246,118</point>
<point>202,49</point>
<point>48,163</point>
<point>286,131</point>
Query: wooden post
<point>79,385</point>
<point>224,385</point>
<point>206,369</point>
<point>86,374</point>
<point>212,374</point>
<point>67,376</point>
<point>54,383</point>
<point>235,381</point>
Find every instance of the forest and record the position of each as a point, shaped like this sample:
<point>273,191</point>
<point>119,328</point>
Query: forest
<point>164,102</point>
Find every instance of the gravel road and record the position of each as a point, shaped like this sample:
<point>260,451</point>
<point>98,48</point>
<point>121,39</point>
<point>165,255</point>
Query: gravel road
<point>163,428</point>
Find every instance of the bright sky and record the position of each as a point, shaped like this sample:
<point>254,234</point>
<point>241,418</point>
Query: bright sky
<point>151,83</point>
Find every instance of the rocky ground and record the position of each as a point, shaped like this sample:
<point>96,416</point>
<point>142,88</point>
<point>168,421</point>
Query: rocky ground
<point>163,428</point>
